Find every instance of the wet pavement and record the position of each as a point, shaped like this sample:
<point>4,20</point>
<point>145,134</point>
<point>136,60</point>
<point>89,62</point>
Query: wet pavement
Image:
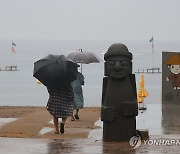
<point>161,122</point>
<point>77,146</point>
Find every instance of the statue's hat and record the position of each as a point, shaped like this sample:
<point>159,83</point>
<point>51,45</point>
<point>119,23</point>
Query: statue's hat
<point>117,49</point>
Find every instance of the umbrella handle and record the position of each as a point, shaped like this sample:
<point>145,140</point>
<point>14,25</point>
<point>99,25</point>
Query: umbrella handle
<point>81,67</point>
<point>81,63</point>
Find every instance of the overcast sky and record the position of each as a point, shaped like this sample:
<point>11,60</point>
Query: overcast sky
<point>90,19</point>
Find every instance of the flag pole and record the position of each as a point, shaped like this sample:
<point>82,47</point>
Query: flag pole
<point>152,55</point>
<point>152,46</point>
<point>11,52</point>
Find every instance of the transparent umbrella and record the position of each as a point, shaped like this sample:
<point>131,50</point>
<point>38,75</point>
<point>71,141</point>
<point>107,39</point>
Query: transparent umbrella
<point>83,57</point>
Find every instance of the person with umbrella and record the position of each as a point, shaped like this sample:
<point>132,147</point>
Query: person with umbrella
<point>60,104</point>
<point>78,94</point>
<point>56,73</point>
<point>84,57</point>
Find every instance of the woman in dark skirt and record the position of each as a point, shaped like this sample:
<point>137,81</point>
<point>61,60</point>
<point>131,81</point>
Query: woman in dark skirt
<point>60,105</point>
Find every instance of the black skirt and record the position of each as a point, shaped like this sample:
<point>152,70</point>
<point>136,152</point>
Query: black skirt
<point>60,103</point>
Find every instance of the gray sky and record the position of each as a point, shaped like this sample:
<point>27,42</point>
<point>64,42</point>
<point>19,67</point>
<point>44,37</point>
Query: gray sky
<point>90,19</point>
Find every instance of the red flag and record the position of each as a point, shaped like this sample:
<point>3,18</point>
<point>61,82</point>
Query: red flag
<point>13,50</point>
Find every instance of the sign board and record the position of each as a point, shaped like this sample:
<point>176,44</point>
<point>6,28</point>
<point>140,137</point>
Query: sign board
<point>171,77</point>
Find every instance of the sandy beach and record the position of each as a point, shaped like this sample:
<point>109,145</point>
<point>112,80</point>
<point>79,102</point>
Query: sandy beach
<point>31,120</point>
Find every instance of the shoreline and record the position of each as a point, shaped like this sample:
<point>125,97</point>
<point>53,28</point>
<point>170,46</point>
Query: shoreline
<point>31,120</point>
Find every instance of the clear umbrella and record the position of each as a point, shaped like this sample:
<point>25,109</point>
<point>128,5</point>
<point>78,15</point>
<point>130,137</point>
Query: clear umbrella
<point>85,57</point>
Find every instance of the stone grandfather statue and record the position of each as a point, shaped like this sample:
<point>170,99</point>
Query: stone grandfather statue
<point>119,98</point>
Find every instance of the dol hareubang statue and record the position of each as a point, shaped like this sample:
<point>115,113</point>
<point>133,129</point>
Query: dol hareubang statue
<point>119,98</point>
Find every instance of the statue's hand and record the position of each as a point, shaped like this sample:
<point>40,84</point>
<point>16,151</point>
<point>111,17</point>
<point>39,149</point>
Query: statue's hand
<point>108,114</point>
<point>129,109</point>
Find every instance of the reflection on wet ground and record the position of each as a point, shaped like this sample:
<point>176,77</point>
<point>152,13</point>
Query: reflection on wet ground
<point>78,146</point>
<point>162,124</point>
<point>150,119</point>
<point>171,118</point>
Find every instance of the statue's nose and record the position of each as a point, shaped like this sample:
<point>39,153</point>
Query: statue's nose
<point>117,66</point>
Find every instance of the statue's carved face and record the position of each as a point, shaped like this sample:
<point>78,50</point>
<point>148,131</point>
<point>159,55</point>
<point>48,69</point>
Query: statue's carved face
<point>118,67</point>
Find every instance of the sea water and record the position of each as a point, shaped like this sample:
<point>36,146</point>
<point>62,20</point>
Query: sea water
<point>19,88</point>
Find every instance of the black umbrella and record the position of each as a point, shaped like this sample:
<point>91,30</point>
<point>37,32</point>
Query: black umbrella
<point>83,57</point>
<point>55,70</point>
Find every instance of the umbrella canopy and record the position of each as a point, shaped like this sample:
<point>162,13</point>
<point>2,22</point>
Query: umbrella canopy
<point>83,57</point>
<point>55,70</point>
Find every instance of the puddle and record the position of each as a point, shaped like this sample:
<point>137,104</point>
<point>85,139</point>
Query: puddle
<point>77,146</point>
<point>45,130</point>
<point>4,121</point>
<point>96,134</point>
<point>150,119</point>
<point>23,146</point>
<point>48,129</point>
<point>98,123</point>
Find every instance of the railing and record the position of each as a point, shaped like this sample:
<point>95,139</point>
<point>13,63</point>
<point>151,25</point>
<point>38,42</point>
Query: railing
<point>149,70</point>
<point>9,68</point>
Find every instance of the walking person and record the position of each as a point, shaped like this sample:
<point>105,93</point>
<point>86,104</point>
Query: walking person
<point>56,72</point>
<point>78,95</point>
<point>60,105</point>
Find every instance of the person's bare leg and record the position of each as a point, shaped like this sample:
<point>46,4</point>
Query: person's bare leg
<point>56,125</point>
<point>76,115</point>
<point>77,111</point>
<point>62,125</point>
<point>64,120</point>
<point>72,117</point>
